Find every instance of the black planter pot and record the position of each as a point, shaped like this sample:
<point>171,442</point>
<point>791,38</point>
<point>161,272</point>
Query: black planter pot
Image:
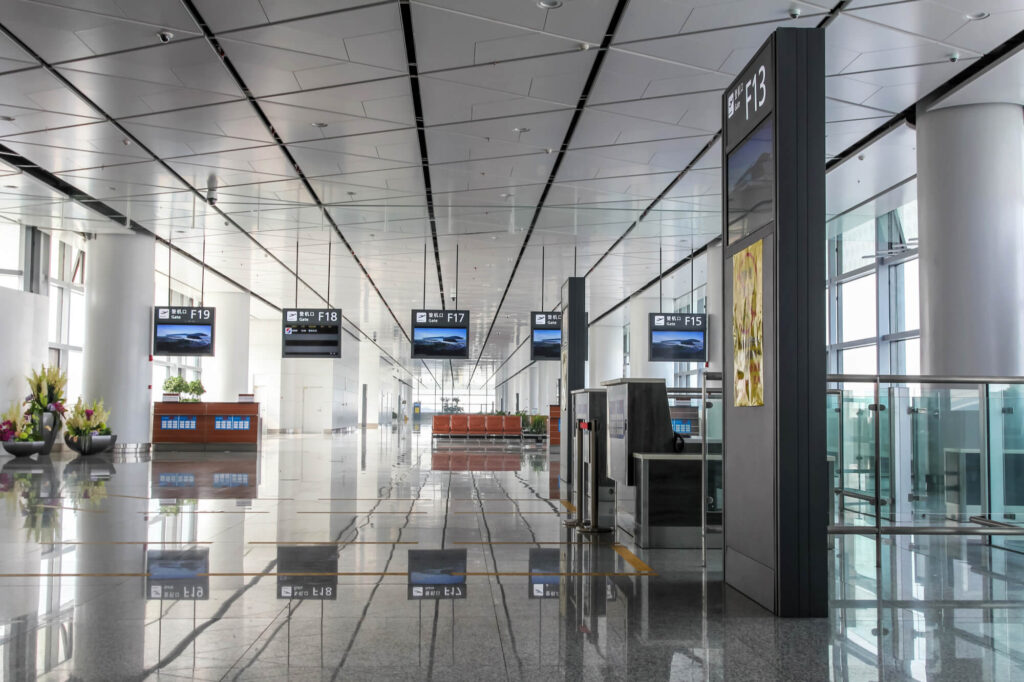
<point>89,445</point>
<point>24,448</point>
<point>50,426</point>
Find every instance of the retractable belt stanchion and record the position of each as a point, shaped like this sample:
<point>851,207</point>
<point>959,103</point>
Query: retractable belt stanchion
<point>590,525</point>
<point>577,480</point>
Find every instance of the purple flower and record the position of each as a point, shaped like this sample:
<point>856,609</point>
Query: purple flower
<point>89,414</point>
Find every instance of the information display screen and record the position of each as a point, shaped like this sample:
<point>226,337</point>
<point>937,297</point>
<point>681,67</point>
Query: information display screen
<point>178,574</point>
<point>678,337</point>
<point>437,574</point>
<point>751,178</point>
<point>545,565</point>
<point>307,572</point>
<point>440,334</point>
<point>183,330</point>
<point>311,333</point>
<point>545,336</point>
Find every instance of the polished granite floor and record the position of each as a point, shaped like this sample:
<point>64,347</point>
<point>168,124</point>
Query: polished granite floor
<point>297,563</point>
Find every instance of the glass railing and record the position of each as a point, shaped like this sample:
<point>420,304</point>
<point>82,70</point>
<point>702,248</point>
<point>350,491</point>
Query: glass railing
<point>927,455</point>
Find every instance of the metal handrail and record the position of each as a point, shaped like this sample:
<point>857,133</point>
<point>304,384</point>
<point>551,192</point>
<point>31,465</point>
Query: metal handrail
<point>914,379</point>
<point>987,526</point>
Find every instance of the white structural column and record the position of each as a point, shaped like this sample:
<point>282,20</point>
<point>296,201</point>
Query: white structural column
<point>639,366</point>
<point>970,162</point>
<point>119,288</point>
<point>605,353</point>
<point>227,373</point>
<point>713,303</point>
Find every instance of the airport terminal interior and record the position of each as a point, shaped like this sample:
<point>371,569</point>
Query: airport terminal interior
<point>504,339</point>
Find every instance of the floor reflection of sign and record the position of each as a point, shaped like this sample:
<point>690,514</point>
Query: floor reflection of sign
<point>437,574</point>
<point>545,567</point>
<point>178,574</point>
<point>307,572</point>
<point>176,480</point>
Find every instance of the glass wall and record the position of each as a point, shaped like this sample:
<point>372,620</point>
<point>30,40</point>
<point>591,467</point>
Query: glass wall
<point>873,302</point>
<point>688,373</point>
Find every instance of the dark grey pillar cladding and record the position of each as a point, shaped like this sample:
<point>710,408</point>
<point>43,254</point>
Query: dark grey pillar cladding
<point>775,477</point>
<point>574,358</point>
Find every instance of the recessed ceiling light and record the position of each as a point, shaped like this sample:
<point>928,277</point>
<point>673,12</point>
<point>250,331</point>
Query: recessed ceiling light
<point>978,16</point>
<point>6,118</point>
<point>11,186</point>
<point>126,142</point>
<point>549,4</point>
<point>319,124</point>
<point>520,130</point>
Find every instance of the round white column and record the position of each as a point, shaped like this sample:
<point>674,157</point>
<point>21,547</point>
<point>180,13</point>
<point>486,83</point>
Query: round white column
<point>119,288</point>
<point>639,366</point>
<point>970,188</point>
<point>605,353</point>
<point>714,304</point>
<point>226,374</point>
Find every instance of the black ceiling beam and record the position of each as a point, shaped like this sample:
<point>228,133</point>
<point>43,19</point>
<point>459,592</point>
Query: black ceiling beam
<point>974,70</point>
<point>421,134</point>
<point>58,184</point>
<point>581,103</point>
<point>214,43</point>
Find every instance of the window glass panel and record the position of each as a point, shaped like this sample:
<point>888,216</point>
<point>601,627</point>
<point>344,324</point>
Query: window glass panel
<point>857,299</point>
<point>856,246</point>
<point>75,372</point>
<point>56,310</point>
<point>10,247</point>
<point>862,360</point>
<point>10,281</point>
<point>906,303</point>
<point>908,220</point>
<point>76,320</point>
<point>906,356</point>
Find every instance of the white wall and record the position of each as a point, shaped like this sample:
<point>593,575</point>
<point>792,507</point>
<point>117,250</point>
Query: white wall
<point>227,373</point>
<point>24,342</point>
<point>265,367</point>
<point>369,374</point>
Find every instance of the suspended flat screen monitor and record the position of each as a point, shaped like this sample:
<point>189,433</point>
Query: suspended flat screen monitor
<point>311,333</point>
<point>440,334</point>
<point>545,336</point>
<point>183,330</point>
<point>751,178</point>
<point>678,337</point>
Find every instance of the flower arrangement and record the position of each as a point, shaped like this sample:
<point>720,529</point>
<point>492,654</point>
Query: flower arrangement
<point>88,420</point>
<point>46,392</point>
<point>15,426</point>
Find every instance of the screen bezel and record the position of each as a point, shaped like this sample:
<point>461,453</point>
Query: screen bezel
<point>315,356</point>
<point>212,323</point>
<point>414,326</point>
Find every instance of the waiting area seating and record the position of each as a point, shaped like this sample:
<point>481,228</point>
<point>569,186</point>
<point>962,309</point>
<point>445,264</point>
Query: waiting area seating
<point>477,426</point>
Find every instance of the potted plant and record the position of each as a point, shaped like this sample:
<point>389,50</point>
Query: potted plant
<point>190,391</point>
<point>86,431</point>
<point>18,433</point>
<point>45,403</point>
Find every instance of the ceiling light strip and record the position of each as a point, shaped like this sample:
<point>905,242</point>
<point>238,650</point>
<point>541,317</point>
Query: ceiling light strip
<point>214,43</point>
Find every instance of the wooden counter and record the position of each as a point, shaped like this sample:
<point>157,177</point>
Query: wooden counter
<point>202,423</point>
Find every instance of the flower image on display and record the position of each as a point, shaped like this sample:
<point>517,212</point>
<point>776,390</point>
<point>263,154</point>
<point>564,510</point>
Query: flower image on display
<point>747,327</point>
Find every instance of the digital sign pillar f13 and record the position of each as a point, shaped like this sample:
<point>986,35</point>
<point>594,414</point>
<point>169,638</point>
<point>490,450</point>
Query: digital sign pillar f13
<point>773,233</point>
